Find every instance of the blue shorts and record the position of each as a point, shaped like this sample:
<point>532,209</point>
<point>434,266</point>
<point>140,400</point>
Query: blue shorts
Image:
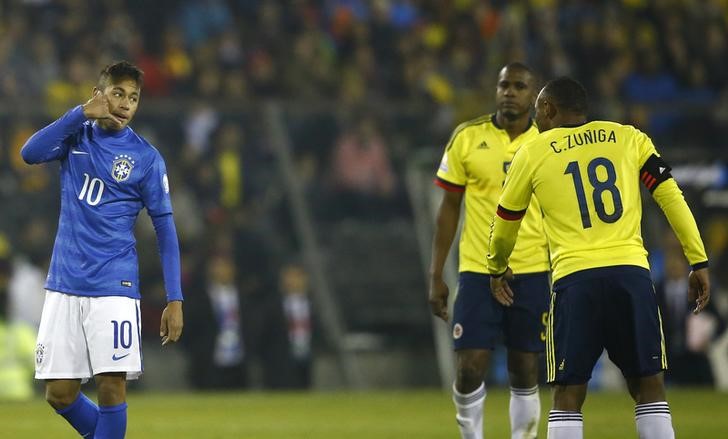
<point>612,308</point>
<point>479,321</point>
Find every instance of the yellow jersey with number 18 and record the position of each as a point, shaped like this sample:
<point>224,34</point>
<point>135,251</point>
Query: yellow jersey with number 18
<point>587,179</point>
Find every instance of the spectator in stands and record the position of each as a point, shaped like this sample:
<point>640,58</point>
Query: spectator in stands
<point>362,177</point>
<point>17,341</point>
<point>297,308</point>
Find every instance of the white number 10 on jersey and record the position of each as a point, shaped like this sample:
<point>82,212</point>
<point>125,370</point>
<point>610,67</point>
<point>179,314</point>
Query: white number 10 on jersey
<point>92,190</point>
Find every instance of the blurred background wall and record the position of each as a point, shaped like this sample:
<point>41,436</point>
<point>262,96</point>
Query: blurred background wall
<point>301,139</point>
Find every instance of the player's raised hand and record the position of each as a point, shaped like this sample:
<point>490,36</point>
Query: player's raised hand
<point>170,328</point>
<point>439,293</point>
<point>98,108</point>
<point>500,289</point>
<point>699,289</point>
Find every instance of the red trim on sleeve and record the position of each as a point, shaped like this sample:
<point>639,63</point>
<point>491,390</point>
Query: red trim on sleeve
<point>651,182</point>
<point>451,187</point>
<point>510,215</point>
<point>644,176</point>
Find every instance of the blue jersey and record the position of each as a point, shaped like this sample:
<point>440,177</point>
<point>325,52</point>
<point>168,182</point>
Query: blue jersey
<point>107,178</point>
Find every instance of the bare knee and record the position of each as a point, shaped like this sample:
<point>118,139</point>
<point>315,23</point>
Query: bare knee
<point>522,369</point>
<point>472,365</point>
<point>111,388</point>
<point>62,393</point>
<point>647,389</point>
<point>569,397</point>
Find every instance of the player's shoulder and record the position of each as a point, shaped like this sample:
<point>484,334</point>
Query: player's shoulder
<point>469,128</point>
<point>143,145</point>
<point>476,123</point>
<point>613,126</point>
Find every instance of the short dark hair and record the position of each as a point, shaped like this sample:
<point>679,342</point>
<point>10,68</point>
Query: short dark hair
<point>519,66</point>
<point>117,71</point>
<point>568,94</point>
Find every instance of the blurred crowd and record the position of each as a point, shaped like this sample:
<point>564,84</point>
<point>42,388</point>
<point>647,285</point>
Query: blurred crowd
<point>363,84</point>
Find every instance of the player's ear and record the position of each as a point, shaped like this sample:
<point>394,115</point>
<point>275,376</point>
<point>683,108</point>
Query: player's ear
<point>549,109</point>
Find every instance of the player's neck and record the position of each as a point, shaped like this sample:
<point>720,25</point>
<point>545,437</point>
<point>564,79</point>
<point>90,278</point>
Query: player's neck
<point>514,127</point>
<point>572,121</point>
<point>106,131</point>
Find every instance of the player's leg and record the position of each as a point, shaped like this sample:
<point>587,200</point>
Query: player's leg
<point>61,359</point>
<point>565,418</point>
<point>476,326</point>
<point>573,346</point>
<point>113,333</point>
<point>524,406</point>
<point>652,412</point>
<point>525,335</point>
<point>112,405</point>
<point>469,391</point>
<point>61,393</point>
<point>638,349</point>
<point>66,398</point>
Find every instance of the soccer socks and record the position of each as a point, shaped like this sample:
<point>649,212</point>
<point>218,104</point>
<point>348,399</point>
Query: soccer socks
<point>565,425</point>
<point>470,412</point>
<point>82,414</point>
<point>654,421</point>
<point>525,410</point>
<point>112,422</point>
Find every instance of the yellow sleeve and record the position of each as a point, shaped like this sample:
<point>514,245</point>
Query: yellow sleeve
<point>511,209</point>
<point>451,168</point>
<point>517,188</point>
<point>670,199</point>
<point>645,146</point>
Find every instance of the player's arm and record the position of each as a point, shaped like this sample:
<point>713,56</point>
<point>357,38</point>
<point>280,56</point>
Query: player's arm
<point>655,175</point>
<point>504,229</point>
<point>172,319</point>
<point>53,141</point>
<point>452,177</point>
<point>446,225</point>
<point>155,196</point>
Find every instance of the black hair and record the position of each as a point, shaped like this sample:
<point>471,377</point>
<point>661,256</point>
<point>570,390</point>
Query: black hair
<point>568,95</point>
<point>519,66</point>
<point>115,72</point>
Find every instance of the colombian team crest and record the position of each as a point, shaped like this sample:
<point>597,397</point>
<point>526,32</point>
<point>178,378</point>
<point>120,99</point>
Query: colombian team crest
<point>121,168</point>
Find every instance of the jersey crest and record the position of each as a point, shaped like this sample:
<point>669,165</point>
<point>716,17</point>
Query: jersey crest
<point>122,167</point>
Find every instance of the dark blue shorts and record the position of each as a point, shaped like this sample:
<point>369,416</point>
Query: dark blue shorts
<point>479,321</point>
<point>612,308</point>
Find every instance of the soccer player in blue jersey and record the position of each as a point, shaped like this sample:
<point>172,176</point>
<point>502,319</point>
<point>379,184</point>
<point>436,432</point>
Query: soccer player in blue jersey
<point>90,326</point>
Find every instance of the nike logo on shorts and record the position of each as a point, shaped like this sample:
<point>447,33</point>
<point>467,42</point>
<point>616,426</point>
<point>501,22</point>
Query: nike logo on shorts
<point>115,358</point>
<point>76,151</point>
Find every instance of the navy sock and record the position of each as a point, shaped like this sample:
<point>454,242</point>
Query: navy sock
<point>112,422</point>
<point>82,414</point>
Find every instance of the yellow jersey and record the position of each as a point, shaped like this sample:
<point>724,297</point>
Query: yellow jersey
<point>475,161</point>
<point>587,181</point>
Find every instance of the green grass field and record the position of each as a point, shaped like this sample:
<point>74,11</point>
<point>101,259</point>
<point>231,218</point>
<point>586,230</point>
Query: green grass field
<point>352,415</point>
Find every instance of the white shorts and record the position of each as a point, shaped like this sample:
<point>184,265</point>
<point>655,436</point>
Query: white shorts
<point>81,336</point>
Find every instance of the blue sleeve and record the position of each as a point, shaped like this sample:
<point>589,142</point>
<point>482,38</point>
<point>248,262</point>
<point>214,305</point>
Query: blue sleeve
<point>53,141</point>
<point>169,253</point>
<point>155,188</point>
